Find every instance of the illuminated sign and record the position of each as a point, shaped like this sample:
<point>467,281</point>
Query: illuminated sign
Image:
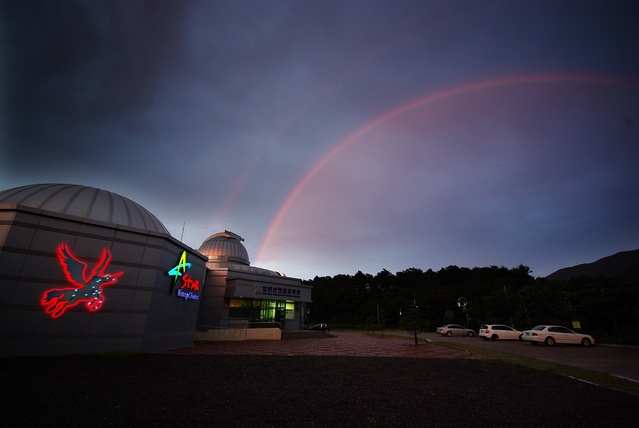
<point>270,290</point>
<point>86,286</point>
<point>188,283</point>
<point>576,325</point>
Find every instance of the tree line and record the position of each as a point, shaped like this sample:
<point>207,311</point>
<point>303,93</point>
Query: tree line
<point>604,307</point>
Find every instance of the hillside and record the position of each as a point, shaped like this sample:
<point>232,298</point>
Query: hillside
<point>623,265</point>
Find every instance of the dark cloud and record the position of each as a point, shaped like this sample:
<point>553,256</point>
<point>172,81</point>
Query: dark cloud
<point>630,124</point>
<point>210,113</point>
<point>75,61</point>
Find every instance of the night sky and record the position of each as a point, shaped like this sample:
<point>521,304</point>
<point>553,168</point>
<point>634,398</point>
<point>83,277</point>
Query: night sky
<point>338,136</point>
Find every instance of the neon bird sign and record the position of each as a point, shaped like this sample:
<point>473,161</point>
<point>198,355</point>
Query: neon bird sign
<point>188,283</point>
<point>87,286</point>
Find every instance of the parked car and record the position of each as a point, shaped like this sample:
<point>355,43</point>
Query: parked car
<point>321,327</point>
<point>455,330</point>
<point>551,334</point>
<point>499,332</point>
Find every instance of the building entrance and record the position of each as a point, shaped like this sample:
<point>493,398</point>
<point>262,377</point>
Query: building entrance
<point>262,311</point>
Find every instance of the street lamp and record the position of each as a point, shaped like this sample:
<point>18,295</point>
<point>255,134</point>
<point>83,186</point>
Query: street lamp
<point>462,303</point>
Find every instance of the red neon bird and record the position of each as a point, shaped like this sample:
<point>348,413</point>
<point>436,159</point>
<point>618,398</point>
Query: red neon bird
<point>87,287</point>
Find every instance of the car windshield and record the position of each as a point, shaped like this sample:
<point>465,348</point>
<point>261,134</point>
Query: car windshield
<point>539,327</point>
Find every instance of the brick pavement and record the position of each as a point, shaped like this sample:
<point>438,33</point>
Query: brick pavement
<point>341,344</point>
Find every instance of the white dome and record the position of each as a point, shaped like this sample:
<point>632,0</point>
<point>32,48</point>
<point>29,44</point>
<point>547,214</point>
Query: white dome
<point>225,246</point>
<point>84,202</point>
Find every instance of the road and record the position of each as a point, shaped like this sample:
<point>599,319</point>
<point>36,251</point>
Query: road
<point>622,361</point>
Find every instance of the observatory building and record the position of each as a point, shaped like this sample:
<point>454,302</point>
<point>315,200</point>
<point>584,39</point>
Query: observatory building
<point>238,296</point>
<point>85,270</point>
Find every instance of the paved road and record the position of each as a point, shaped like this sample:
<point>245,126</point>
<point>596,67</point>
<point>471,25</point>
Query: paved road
<point>620,361</point>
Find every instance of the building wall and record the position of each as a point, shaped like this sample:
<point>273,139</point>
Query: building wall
<point>213,312</point>
<point>140,313</point>
<point>238,281</point>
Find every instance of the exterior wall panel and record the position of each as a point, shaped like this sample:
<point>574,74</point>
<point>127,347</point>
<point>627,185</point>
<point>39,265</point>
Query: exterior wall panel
<point>138,313</point>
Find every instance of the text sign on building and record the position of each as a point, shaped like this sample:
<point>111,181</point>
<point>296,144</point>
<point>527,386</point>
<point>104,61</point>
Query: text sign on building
<point>188,285</point>
<point>269,290</point>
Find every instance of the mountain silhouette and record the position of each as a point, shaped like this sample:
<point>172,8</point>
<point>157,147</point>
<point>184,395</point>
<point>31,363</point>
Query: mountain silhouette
<point>623,265</point>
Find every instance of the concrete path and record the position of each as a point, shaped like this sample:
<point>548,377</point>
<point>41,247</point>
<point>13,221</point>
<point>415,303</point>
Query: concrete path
<point>355,344</point>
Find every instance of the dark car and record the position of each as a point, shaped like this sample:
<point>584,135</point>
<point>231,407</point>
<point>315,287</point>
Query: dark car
<point>321,327</point>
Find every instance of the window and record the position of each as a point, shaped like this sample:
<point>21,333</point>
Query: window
<point>240,308</point>
<point>560,330</point>
<point>290,310</point>
<point>262,310</point>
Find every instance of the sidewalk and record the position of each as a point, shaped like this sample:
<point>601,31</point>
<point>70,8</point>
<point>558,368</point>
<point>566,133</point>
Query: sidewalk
<point>344,344</point>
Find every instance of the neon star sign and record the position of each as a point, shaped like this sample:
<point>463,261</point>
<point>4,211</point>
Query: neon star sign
<point>86,285</point>
<point>178,270</point>
<point>188,283</point>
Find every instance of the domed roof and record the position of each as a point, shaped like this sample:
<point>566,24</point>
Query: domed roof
<point>85,202</point>
<point>225,246</point>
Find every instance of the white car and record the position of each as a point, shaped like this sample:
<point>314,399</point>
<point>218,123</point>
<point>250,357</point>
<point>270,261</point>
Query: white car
<point>499,332</point>
<point>551,334</point>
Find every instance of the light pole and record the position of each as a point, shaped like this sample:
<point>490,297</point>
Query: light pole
<point>462,303</point>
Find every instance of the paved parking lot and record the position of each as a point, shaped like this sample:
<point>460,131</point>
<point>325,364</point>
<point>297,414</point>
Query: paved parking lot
<point>620,361</point>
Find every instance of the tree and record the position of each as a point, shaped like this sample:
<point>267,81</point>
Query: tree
<point>413,321</point>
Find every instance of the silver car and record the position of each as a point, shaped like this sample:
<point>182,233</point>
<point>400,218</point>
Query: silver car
<point>455,330</point>
<point>551,334</point>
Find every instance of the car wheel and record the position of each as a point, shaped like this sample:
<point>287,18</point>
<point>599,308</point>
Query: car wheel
<point>586,342</point>
<point>470,334</point>
<point>449,333</point>
<point>549,341</point>
<point>494,337</point>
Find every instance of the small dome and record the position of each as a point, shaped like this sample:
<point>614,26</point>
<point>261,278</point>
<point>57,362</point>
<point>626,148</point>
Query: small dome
<point>225,246</point>
<point>84,202</point>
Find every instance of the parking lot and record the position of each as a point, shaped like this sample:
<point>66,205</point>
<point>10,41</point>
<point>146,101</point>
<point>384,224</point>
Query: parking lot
<point>620,361</point>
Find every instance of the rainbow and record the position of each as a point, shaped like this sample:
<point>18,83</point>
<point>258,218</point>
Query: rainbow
<point>419,102</point>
